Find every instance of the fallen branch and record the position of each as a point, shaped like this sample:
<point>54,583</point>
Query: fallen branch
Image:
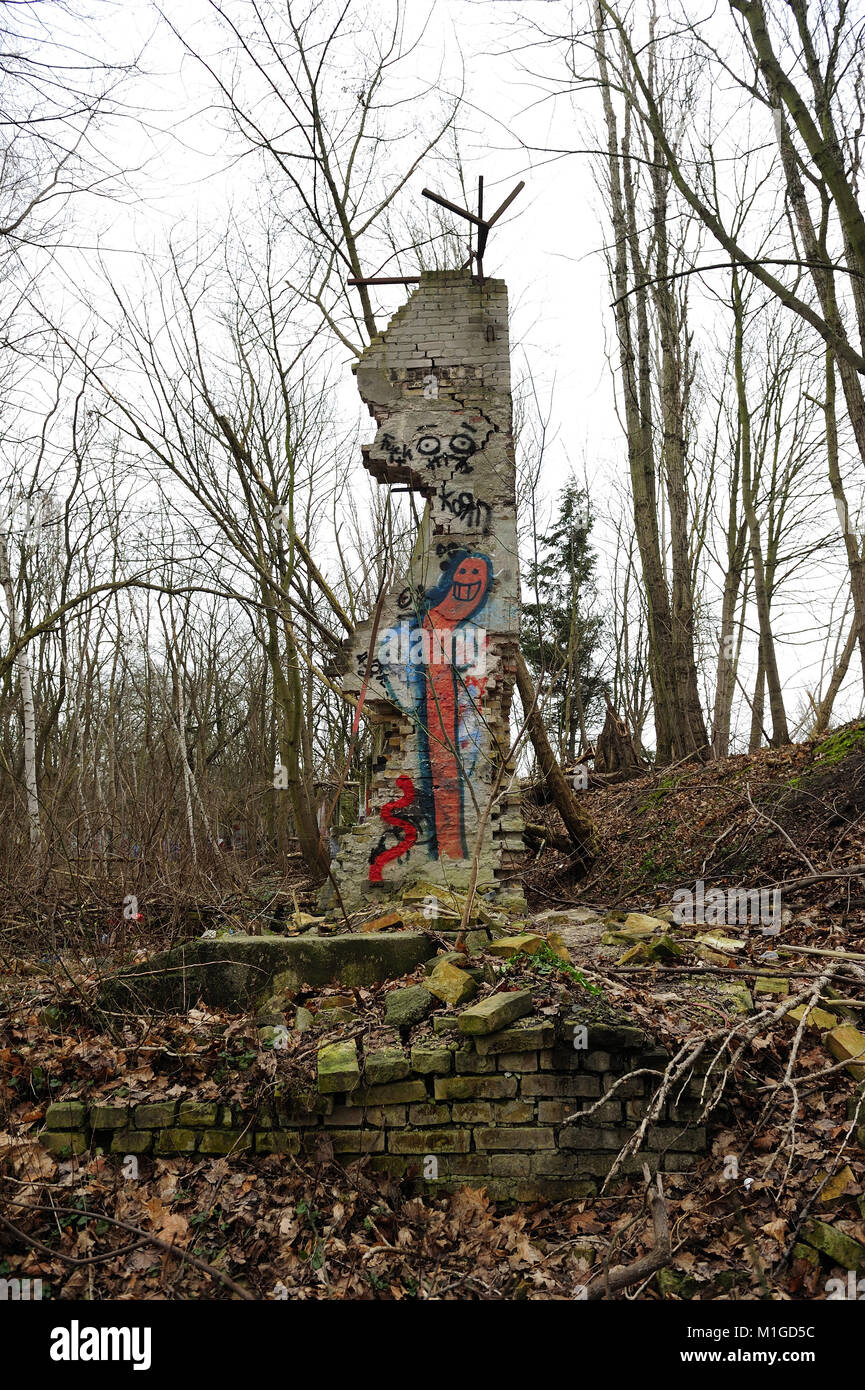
<point>621,1276</point>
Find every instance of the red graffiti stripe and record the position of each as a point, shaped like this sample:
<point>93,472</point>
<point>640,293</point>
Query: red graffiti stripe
<point>403,846</point>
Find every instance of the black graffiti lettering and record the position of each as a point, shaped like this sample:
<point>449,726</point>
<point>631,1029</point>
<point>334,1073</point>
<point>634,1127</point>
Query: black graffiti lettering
<point>473,511</point>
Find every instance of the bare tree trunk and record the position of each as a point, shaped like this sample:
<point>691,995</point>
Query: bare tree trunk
<point>577,822</point>
<point>780,734</point>
<point>28,706</point>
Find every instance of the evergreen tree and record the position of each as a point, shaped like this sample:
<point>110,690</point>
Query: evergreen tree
<point>562,628</point>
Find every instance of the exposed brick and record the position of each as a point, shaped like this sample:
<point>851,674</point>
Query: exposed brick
<point>679,1163</point>
<point>64,1142</point>
<point>513,1112</point>
<point>471,1112</point>
<point>470,1165</point>
<point>507,1138</point>
<point>109,1116</point>
<point>608,1113</point>
<point>197,1114</point>
<point>585,1137</point>
<point>376,1115</point>
<point>559,1059</point>
<point>432,1061</point>
<point>159,1116</point>
<point>510,1165</point>
<point>224,1141</point>
<point>429,1113</point>
<point>277,1141</point>
<point>132,1141</point>
<point>615,1037</point>
<point>557,1165</point>
<point>632,1086</point>
<point>530,1038</point>
<point>518,1061</point>
<point>357,1141</point>
<point>560,1087</point>
<point>65,1114</point>
<point>429,1141</point>
<point>175,1141</point>
<point>467,1060</point>
<point>495,1012</point>
<point>599,1164</point>
<point>597,1061</point>
<point>554,1112</point>
<point>388,1064</point>
<point>398,1093</point>
<point>475,1087</point>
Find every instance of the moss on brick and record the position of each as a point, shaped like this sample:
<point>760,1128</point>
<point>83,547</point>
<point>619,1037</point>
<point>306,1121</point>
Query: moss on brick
<point>65,1114</point>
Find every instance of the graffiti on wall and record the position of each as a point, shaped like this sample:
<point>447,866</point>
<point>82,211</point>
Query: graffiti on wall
<point>433,666</point>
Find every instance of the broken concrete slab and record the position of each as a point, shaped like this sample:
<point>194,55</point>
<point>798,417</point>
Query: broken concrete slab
<point>235,971</point>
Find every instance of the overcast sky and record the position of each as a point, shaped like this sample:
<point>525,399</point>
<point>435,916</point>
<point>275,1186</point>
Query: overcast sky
<point>549,249</point>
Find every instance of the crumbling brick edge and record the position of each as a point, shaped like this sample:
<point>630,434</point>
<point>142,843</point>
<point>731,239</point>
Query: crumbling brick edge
<point>449,1112</point>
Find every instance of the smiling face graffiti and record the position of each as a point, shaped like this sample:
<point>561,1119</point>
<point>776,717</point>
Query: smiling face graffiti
<point>469,584</point>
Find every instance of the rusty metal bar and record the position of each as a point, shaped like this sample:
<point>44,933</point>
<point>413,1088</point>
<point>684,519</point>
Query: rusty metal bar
<point>385,280</point>
<point>452,207</point>
<point>505,205</point>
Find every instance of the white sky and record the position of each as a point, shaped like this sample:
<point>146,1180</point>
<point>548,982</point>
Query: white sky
<point>549,249</point>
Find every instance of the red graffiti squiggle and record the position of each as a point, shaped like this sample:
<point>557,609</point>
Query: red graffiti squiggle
<point>406,786</point>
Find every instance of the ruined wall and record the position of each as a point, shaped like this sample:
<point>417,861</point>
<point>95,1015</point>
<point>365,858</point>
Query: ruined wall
<point>440,666</point>
<point>493,1112</point>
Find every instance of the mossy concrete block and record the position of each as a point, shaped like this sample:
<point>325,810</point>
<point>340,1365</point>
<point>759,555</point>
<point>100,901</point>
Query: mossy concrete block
<point>431,1141</point>
<point>396,1093</point>
<point>241,969</point>
<point>429,1113</point>
<point>523,1038</point>
<point>357,1141</point>
<point>740,998</point>
<point>475,1087</point>
<point>448,958</point>
<point>63,1143</point>
<point>432,1061</point>
<point>277,1141</point>
<point>846,1041</point>
<point>451,985</point>
<point>768,984</point>
<point>388,1064</point>
<point>65,1114</point>
<point>224,1141</point>
<point>405,1007</point>
<point>818,1019</point>
<point>197,1114</point>
<point>132,1141</point>
<point>338,1068</point>
<point>840,1248</point>
<point>158,1116</point>
<point>508,946</point>
<point>175,1141</point>
<point>109,1116</point>
<point>495,1012</point>
<point>442,1024</point>
<point>477,941</point>
<point>329,1018</point>
<point>530,1138</point>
